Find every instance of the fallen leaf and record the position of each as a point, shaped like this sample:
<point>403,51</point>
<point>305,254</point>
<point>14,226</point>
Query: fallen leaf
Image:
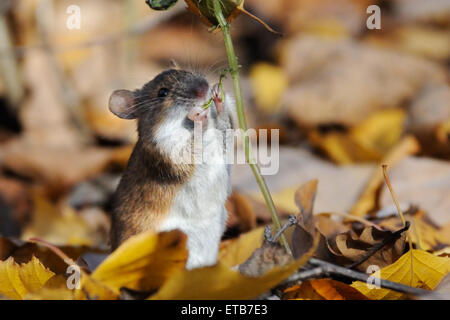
<point>221,283</point>
<point>22,252</point>
<point>264,259</point>
<point>340,186</point>
<point>236,251</point>
<point>60,227</point>
<point>18,280</point>
<point>427,271</point>
<point>323,289</point>
<point>355,246</point>
<point>268,83</point>
<point>54,289</point>
<point>326,76</point>
<point>368,141</point>
<point>304,230</point>
<point>143,262</point>
<point>368,198</point>
<point>423,182</point>
<point>240,208</point>
<point>424,233</point>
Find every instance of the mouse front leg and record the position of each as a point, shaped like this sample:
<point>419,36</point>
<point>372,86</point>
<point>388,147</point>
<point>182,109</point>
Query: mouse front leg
<point>217,98</point>
<point>198,114</point>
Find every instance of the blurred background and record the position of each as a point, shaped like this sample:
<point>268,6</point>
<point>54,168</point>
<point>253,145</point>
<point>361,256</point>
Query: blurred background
<point>344,97</point>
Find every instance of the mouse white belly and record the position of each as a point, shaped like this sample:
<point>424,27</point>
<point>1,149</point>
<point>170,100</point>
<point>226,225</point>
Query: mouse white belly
<point>198,207</point>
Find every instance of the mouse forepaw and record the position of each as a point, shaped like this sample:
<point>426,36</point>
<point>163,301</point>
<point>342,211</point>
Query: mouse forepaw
<point>217,98</point>
<point>199,115</point>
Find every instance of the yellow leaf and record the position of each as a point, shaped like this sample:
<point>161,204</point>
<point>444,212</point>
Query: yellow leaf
<point>238,250</point>
<point>428,42</point>
<point>323,289</point>
<point>268,83</point>
<point>428,270</point>
<point>381,131</point>
<point>342,149</point>
<point>54,289</point>
<point>18,280</point>
<point>143,262</point>
<point>57,227</point>
<point>283,199</point>
<point>93,289</point>
<point>220,282</point>
<point>369,141</point>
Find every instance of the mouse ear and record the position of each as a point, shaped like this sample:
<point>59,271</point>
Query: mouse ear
<point>122,104</point>
<point>174,65</point>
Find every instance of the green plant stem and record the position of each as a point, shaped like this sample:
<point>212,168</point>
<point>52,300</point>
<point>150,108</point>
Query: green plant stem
<point>233,62</point>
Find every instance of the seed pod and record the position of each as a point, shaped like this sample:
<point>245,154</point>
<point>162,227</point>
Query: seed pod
<point>161,4</point>
<point>230,9</point>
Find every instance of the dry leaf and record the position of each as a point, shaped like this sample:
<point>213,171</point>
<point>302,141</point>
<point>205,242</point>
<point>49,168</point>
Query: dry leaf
<point>368,141</point>
<point>268,83</point>
<point>54,289</point>
<point>304,231</point>
<point>423,182</point>
<point>18,280</point>
<point>368,199</point>
<point>221,283</point>
<point>355,246</point>
<point>424,233</point>
<point>22,252</point>
<point>328,87</point>
<point>240,209</point>
<point>340,186</point>
<point>323,289</point>
<point>236,251</point>
<point>427,271</point>
<point>264,259</point>
<point>143,262</point>
<point>60,228</point>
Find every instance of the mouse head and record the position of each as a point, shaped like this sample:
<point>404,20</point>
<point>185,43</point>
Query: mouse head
<point>171,94</point>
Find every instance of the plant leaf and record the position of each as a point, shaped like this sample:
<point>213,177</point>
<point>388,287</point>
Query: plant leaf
<point>236,251</point>
<point>143,262</point>
<point>323,289</point>
<point>220,282</point>
<point>18,280</point>
<point>428,270</point>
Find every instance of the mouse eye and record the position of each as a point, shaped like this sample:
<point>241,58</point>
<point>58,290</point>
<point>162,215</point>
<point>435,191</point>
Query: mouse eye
<point>163,92</point>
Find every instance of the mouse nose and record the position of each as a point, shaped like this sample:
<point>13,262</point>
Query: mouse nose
<point>200,89</point>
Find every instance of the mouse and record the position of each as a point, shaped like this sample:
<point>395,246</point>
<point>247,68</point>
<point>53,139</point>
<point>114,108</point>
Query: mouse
<point>161,191</point>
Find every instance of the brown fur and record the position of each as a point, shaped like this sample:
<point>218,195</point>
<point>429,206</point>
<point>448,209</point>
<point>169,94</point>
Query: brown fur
<point>145,193</point>
<point>150,182</point>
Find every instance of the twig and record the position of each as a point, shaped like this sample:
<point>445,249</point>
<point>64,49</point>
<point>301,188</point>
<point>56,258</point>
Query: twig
<point>54,249</point>
<point>324,269</point>
<point>268,230</point>
<point>391,238</point>
<point>233,62</point>
<point>388,183</point>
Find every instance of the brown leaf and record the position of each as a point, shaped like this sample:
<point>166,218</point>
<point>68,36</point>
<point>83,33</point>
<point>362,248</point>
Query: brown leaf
<point>265,258</point>
<point>240,207</point>
<point>303,234</point>
<point>354,247</point>
<point>22,252</point>
<point>323,289</point>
